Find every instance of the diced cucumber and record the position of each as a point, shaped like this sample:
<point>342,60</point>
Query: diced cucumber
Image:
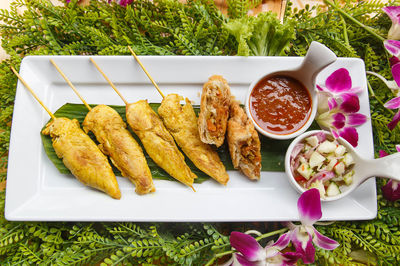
<point>348,178</point>
<point>331,164</point>
<point>339,168</point>
<point>305,170</point>
<point>333,190</point>
<point>318,185</point>
<point>340,150</point>
<point>326,147</point>
<point>313,141</point>
<point>348,159</point>
<point>316,159</point>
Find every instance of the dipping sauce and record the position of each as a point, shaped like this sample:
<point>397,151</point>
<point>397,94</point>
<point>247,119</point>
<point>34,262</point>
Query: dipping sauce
<point>280,104</point>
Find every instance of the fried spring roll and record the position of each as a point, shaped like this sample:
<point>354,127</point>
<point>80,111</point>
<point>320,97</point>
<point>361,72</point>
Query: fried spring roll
<point>116,142</point>
<point>81,155</point>
<point>214,110</point>
<point>158,142</point>
<point>244,143</point>
<point>181,121</point>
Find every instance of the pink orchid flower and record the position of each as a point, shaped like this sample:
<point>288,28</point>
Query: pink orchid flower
<point>338,105</point>
<point>302,236</point>
<point>394,14</point>
<point>252,253</point>
<point>391,191</point>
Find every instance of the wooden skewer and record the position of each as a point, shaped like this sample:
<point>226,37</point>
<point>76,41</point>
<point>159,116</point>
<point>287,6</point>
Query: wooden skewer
<point>145,71</point>
<point>32,92</point>
<point>109,81</point>
<point>70,84</point>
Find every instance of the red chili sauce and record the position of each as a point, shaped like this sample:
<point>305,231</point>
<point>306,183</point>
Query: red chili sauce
<point>280,105</point>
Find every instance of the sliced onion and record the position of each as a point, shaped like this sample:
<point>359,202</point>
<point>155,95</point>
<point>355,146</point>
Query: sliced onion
<point>320,136</point>
<point>321,176</point>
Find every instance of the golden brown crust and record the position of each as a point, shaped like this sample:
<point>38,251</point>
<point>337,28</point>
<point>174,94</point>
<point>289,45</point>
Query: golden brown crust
<point>116,141</point>
<point>181,121</point>
<point>158,142</point>
<point>82,156</point>
<point>244,143</point>
<point>214,110</point>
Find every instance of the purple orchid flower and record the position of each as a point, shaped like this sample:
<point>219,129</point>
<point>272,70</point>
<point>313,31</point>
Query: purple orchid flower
<point>338,105</point>
<point>394,14</point>
<point>303,236</point>
<point>391,191</point>
<point>252,253</point>
<point>124,3</point>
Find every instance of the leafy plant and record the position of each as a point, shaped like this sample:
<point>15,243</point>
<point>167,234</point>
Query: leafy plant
<point>164,27</point>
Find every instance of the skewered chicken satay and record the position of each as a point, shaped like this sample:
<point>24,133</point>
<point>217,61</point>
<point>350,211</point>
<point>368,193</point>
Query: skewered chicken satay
<point>181,121</point>
<point>158,142</point>
<point>244,143</point>
<point>214,110</point>
<point>82,156</point>
<point>116,142</point>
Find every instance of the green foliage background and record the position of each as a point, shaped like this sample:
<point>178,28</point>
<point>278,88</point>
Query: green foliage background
<point>167,27</point>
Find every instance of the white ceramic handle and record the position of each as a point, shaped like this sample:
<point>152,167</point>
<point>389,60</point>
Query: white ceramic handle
<point>388,167</point>
<point>318,56</point>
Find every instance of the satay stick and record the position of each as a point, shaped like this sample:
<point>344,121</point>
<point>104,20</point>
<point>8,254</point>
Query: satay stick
<point>33,93</point>
<point>145,71</point>
<point>70,84</point>
<point>109,81</point>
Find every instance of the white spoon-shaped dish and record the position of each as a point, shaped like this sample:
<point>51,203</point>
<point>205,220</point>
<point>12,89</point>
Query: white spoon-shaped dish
<point>387,167</point>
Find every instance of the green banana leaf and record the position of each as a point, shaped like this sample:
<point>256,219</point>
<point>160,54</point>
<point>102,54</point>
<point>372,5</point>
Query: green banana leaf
<point>272,151</point>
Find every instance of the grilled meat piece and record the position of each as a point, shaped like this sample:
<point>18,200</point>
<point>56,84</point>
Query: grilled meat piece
<point>158,142</point>
<point>81,155</point>
<point>181,121</point>
<point>116,142</point>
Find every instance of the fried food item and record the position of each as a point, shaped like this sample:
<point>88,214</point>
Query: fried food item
<point>158,142</point>
<point>244,143</point>
<point>116,142</point>
<point>214,110</point>
<point>181,122</point>
<point>81,155</point>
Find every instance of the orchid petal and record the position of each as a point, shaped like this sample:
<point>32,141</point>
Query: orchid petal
<point>338,120</point>
<point>244,262</point>
<point>393,12</point>
<point>350,104</point>
<point>398,148</point>
<point>247,245</point>
<point>332,103</point>
<point>356,119</point>
<point>391,191</point>
<point>350,134</point>
<point>282,242</point>
<point>290,258</point>
<point>396,72</point>
<point>309,206</point>
<point>339,81</point>
<point>393,47</point>
<point>393,103</point>
<point>382,153</point>
<point>302,241</point>
<point>324,242</point>
<point>395,121</point>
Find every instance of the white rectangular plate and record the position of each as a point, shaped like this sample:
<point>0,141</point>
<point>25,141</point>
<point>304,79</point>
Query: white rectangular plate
<point>37,191</point>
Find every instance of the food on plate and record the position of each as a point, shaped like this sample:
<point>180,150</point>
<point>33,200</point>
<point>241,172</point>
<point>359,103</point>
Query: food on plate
<point>116,142</point>
<point>82,156</point>
<point>158,142</point>
<point>214,110</point>
<point>280,105</point>
<point>320,161</point>
<point>181,121</point>
<point>244,143</point>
